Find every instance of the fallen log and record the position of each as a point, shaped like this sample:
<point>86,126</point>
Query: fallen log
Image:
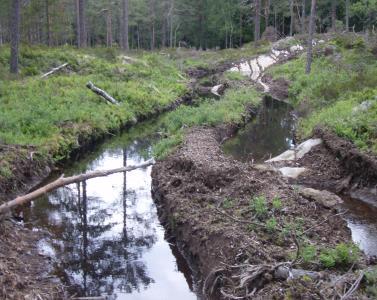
<point>63,181</point>
<point>101,93</point>
<point>54,70</point>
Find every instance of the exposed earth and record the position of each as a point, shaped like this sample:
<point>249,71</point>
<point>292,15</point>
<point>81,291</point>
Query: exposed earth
<point>207,202</point>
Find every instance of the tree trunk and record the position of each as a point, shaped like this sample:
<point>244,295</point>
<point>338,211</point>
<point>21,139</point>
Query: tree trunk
<point>125,17</point>
<point>81,24</point>
<point>257,20</point>
<point>291,12</point>
<point>310,39</point>
<point>48,31</point>
<point>171,25</point>
<point>303,17</point>
<point>109,27</point>
<point>267,12</point>
<point>241,33</point>
<point>15,36</point>
<point>153,25</point>
<point>347,15</point>
<point>333,15</point>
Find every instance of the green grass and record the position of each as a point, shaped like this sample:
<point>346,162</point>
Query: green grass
<point>330,95</point>
<point>57,113</point>
<point>229,109</point>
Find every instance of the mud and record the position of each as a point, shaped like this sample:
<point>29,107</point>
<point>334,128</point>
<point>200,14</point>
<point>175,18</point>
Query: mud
<point>24,273</point>
<point>204,199</point>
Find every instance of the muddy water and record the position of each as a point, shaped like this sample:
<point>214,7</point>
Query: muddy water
<point>361,218</point>
<point>106,238</point>
<point>268,135</point>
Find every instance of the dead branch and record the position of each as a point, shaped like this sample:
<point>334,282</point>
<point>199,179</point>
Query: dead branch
<point>101,93</point>
<point>62,181</point>
<point>54,70</point>
<point>353,288</point>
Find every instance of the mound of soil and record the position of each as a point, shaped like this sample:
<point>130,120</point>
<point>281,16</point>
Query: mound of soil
<point>24,273</point>
<point>208,202</point>
<point>20,168</point>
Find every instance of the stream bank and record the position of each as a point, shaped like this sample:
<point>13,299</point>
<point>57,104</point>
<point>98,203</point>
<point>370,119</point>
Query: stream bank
<point>207,199</point>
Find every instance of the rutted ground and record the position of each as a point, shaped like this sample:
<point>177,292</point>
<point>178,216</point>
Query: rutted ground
<point>213,204</point>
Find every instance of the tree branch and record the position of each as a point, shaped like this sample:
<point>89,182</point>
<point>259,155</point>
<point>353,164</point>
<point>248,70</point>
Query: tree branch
<point>62,181</point>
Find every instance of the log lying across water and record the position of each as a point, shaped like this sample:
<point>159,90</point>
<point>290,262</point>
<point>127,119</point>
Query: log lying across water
<point>63,181</point>
<point>101,93</point>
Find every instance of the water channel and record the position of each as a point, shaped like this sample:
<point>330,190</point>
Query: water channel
<point>270,134</point>
<point>106,237</point>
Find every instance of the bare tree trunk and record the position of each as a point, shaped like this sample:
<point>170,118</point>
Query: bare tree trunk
<point>153,28</point>
<point>1,34</point>
<point>109,27</point>
<point>333,15</point>
<point>310,39</point>
<point>241,33</point>
<point>81,24</point>
<point>78,31</point>
<point>83,31</point>
<point>171,25</point>
<point>125,17</point>
<point>48,31</point>
<point>257,20</point>
<point>347,15</point>
<point>15,36</point>
<point>303,17</point>
<point>291,12</point>
<point>267,12</point>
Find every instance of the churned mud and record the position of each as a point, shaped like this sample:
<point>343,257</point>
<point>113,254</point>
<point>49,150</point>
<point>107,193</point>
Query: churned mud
<point>206,199</point>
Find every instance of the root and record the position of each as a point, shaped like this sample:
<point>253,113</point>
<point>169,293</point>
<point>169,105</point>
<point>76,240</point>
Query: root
<point>240,281</point>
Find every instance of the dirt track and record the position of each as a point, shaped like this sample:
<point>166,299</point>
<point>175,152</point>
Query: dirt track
<point>205,201</point>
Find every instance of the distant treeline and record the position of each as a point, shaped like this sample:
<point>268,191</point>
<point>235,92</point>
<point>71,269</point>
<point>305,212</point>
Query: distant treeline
<point>150,24</point>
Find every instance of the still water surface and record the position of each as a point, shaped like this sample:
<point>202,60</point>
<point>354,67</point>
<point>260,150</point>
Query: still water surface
<point>105,232</point>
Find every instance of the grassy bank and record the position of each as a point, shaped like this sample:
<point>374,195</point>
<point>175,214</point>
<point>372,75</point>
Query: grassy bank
<point>231,108</point>
<point>340,93</point>
<point>54,114</point>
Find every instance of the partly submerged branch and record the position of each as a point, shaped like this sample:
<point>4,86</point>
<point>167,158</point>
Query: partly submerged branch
<point>63,181</point>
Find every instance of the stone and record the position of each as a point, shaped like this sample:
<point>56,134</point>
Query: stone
<point>292,172</point>
<point>301,150</point>
<point>325,198</point>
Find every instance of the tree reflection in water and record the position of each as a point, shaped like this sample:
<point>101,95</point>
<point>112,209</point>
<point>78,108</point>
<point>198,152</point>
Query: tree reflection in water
<point>99,240</point>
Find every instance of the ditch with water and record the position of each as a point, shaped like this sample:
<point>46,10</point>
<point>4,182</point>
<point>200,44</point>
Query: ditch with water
<point>105,236</point>
<point>270,134</point>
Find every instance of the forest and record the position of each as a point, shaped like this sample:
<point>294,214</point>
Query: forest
<point>188,149</point>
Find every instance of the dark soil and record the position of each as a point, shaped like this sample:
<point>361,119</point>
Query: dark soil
<point>338,166</point>
<point>24,273</point>
<point>278,87</point>
<point>205,197</point>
